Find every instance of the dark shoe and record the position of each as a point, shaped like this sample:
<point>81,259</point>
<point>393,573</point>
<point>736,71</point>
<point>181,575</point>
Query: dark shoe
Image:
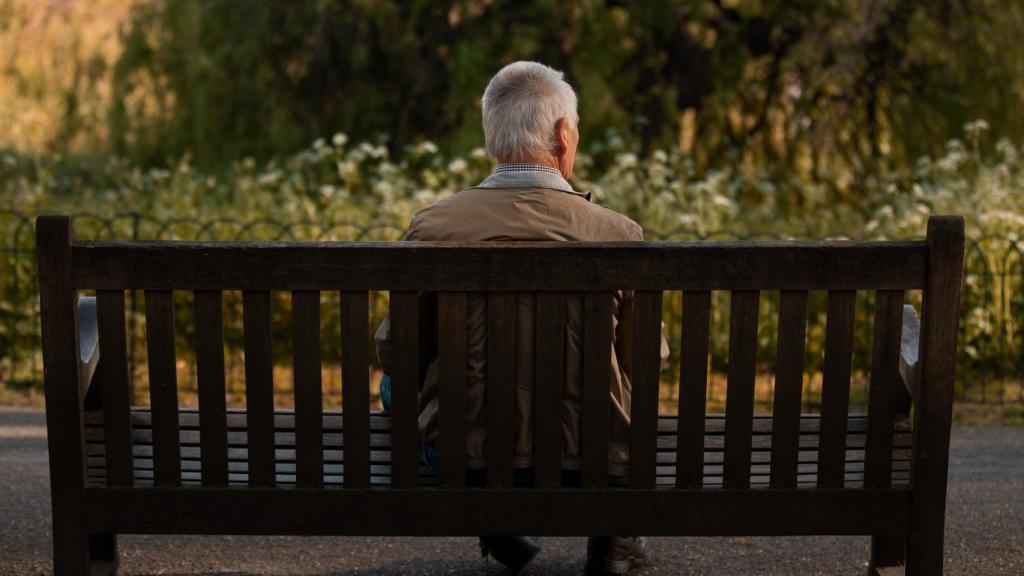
<point>514,552</point>
<point>616,555</point>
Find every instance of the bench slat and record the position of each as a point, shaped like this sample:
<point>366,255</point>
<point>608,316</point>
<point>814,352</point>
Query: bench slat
<point>451,345</point>
<point>210,376</point>
<point>547,392</point>
<point>835,387</point>
<point>885,362</point>
<point>163,385</point>
<point>484,266</point>
<point>308,392</point>
<point>355,377</point>
<point>693,384</point>
<point>113,376</point>
<point>597,373</point>
<point>739,400</point>
<point>646,368</point>
<point>789,380</point>
<point>501,387</point>
<point>404,319</point>
<point>259,386</point>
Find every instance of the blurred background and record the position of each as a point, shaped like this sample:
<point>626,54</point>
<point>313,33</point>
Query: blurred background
<point>335,119</point>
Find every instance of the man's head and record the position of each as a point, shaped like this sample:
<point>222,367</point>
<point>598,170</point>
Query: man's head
<point>530,117</point>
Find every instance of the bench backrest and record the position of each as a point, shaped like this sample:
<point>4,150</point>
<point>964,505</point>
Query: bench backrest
<point>552,269</point>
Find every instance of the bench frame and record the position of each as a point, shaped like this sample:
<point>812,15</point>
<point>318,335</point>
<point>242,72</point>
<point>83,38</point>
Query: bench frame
<point>907,523</point>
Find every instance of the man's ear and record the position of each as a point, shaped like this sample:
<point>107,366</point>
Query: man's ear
<point>561,137</point>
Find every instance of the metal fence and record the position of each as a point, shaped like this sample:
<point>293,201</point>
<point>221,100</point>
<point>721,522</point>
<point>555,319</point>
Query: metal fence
<point>991,364</point>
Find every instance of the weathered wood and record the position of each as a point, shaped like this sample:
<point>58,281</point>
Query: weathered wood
<point>693,385</point>
<point>469,266</point>
<point>308,391</point>
<point>835,389</point>
<point>789,380</point>
<point>597,374</point>
<point>739,401</point>
<point>163,385</point>
<point>116,393</point>
<point>560,512</point>
<point>405,384</point>
<point>210,375</point>
<point>259,386</point>
<point>355,394</point>
<point>501,387</point>
<point>884,380</point>
<point>646,368</point>
<point>61,381</point>
<point>547,393</point>
<point>451,343</point>
<point>934,409</point>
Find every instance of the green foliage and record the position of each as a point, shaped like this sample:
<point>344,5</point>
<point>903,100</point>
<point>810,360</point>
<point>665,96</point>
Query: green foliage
<point>337,190</point>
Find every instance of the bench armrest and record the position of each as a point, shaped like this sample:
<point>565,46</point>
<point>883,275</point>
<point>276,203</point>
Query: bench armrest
<point>88,342</point>
<point>910,367</point>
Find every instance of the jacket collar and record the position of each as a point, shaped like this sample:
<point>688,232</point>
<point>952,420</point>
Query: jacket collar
<point>526,178</point>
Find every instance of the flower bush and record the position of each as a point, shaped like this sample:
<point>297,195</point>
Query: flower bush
<point>341,190</point>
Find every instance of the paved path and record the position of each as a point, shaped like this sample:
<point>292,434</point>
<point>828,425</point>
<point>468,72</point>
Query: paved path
<point>984,534</point>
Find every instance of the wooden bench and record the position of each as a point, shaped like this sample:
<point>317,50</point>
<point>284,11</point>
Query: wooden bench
<point>159,469</point>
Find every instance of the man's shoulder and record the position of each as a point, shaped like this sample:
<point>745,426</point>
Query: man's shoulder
<point>619,225</point>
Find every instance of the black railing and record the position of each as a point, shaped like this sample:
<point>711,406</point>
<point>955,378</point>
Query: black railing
<point>991,365</point>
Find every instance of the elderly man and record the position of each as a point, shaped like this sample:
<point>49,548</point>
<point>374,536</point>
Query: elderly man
<point>530,128</point>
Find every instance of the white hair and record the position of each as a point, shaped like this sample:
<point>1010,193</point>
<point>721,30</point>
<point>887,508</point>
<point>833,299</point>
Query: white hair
<point>521,104</point>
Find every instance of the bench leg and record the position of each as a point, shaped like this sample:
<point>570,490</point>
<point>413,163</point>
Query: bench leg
<point>103,555</point>
<point>886,552</point>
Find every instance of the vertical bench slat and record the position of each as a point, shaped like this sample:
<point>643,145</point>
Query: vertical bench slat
<point>886,550</point>
<point>644,410</point>
<point>885,362</point>
<point>739,401</point>
<point>117,395</point>
<point>789,379</point>
<point>501,387</point>
<point>693,386</point>
<point>835,388</point>
<point>259,386</point>
<point>547,394</point>
<point>309,452</point>
<point>213,433</point>
<point>404,389</point>
<point>451,343</point>
<point>163,387</point>
<point>597,374</point>
<point>355,394</point>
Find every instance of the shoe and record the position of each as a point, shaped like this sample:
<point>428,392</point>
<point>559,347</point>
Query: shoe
<point>616,555</point>
<point>514,552</point>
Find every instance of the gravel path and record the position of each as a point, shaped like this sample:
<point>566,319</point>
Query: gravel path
<point>984,530</point>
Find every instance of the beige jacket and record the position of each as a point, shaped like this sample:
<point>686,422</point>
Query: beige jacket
<point>527,213</point>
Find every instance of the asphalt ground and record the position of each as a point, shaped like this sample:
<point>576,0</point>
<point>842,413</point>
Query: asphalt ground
<point>984,530</point>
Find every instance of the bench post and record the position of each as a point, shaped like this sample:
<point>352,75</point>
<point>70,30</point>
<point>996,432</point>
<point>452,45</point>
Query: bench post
<point>74,551</point>
<point>934,408</point>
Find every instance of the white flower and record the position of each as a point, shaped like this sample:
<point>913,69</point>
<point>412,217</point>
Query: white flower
<point>478,153</point>
<point>327,191</point>
<point>457,166</point>
<point>339,139</point>
<point>319,143</point>
<point>660,156</point>
<point>627,160</point>
<point>426,147</point>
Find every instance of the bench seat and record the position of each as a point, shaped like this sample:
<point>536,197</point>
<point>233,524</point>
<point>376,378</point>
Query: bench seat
<point>380,449</point>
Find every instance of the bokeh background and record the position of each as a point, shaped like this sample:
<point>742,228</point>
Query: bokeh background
<point>338,119</point>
